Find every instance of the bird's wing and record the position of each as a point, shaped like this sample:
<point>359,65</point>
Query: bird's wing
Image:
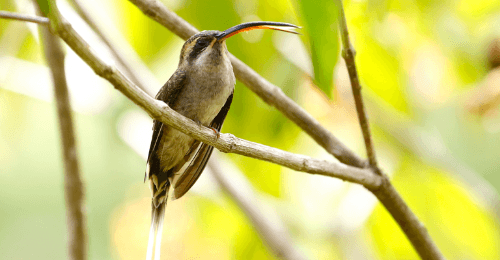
<point>191,174</point>
<point>168,94</point>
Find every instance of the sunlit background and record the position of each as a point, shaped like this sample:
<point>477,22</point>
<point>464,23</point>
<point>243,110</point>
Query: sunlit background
<point>433,102</point>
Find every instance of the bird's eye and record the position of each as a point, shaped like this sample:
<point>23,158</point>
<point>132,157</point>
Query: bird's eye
<point>202,43</point>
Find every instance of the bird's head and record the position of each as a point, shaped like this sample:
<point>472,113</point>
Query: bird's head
<point>209,47</point>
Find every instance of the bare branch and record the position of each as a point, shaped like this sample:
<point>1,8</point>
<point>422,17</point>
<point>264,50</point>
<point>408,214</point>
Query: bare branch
<point>226,142</point>
<point>24,17</point>
<point>387,194</point>
<point>270,93</point>
<point>73,187</point>
<point>348,54</point>
<point>266,222</point>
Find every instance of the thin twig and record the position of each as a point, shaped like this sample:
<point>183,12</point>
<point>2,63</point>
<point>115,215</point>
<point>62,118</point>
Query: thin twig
<point>133,66</point>
<point>24,17</point>
<point>270,93</point>
<point>265,220</point>
<point>348,54</point>
<point>386,194</point>
<point>226,142</point>
<point>73,186</point>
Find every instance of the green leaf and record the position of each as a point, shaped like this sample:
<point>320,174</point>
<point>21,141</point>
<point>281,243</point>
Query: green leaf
<point>44,6</point>
<point>319,19</point>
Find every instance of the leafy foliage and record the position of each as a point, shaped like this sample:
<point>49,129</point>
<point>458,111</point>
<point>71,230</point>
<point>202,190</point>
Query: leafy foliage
<point>320,19</point>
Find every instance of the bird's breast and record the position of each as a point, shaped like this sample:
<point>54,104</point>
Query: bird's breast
<point>206,92</point>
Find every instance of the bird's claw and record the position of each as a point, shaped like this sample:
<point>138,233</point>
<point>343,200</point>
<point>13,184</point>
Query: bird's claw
<point>216,132</point>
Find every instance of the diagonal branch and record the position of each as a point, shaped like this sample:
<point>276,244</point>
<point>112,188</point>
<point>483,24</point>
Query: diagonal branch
<point>73,187</point>
<point>270,93</point>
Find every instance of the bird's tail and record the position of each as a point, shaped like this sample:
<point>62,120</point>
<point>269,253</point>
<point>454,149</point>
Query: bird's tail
<point>157,216</point>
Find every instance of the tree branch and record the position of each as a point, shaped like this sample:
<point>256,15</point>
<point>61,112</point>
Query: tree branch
<point>348,54</point>
<point>386,194</point>
<point>267,224</point>
<point>270,93</point>
<point>226,142</point>
<point>73,187</point>
<point>24,17</point>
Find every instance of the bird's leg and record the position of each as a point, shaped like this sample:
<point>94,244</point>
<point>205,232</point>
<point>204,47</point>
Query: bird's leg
<point>217,132</point>
<point>198,122</point>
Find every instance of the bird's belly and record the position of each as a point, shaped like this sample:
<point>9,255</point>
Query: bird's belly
<point>208,109</point>
<point>173,148</point>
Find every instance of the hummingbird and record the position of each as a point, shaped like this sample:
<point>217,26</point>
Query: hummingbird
<point>200,89</point>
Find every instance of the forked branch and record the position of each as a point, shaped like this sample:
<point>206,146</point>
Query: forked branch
<point>387,194</point>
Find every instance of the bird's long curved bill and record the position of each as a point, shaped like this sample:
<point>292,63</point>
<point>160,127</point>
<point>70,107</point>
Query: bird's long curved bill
<point>285,27</point>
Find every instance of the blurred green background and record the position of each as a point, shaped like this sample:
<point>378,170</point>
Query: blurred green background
<point>425,70</point>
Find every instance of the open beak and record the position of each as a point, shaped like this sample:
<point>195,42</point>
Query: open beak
<point>285,27</point>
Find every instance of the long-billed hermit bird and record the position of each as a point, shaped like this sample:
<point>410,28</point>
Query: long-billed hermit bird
<point>201,89</point>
